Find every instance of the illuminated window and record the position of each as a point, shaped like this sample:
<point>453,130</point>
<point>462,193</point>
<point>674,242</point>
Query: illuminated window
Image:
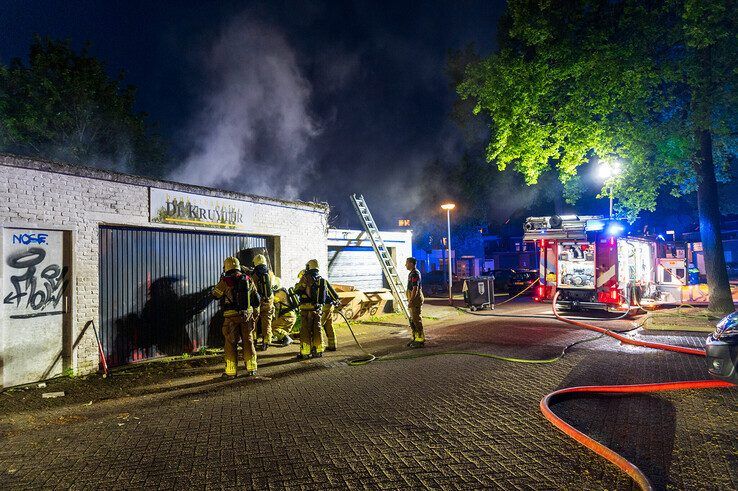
<point>403,222</point>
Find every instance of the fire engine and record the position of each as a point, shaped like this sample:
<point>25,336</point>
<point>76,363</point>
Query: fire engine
<point>593,264</point>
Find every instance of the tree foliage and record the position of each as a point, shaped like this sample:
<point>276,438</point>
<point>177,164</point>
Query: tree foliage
<point>63,105</point>
<point>598,78</point>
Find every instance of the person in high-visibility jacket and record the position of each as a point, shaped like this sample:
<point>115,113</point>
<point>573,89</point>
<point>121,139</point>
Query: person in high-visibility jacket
<point>312,292</point>
<point>239,299</point>
<point>286,304</point>
<point>263,281</point>
<point>415,301</point>
<point>326,318</point>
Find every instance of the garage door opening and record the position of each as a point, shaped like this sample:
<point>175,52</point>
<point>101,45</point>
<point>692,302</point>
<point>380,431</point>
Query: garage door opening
<point>154,289</point>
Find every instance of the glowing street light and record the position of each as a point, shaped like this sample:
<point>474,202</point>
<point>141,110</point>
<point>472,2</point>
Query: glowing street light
<point>606,170</point>
<point>448,207</point>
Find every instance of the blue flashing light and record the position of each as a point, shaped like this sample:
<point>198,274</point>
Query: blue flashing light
<point>615,229</point>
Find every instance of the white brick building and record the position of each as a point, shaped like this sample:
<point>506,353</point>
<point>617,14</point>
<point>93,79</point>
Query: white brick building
<point>82,245</point>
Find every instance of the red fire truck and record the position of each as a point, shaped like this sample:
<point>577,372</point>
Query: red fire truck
<point>593,265</point>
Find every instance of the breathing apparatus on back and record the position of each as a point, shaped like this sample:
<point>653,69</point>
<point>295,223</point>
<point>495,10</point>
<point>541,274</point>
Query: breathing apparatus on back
<point>315,291</point>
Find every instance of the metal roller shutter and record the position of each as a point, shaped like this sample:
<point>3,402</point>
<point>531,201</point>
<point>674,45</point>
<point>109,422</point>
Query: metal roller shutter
<point>355,266</point>
<point>154,289</point>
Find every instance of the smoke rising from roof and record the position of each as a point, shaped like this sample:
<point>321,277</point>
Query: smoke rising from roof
<point>253,132</point>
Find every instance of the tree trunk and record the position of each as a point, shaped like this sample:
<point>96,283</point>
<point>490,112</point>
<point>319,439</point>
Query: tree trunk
<point>708,204</point>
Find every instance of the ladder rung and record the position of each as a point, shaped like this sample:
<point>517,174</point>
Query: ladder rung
<point>385,260</point>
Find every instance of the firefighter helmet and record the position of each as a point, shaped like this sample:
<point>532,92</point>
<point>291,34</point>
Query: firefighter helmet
<point>231,263</point>
<point>259,259</point>
<point>312,264</point>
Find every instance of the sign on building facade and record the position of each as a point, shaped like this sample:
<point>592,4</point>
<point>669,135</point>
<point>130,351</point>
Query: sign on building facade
<point>178,208</point>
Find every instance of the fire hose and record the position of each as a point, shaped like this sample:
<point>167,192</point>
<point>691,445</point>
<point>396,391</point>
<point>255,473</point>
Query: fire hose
<point>621,462</point>
<point>371,357</point>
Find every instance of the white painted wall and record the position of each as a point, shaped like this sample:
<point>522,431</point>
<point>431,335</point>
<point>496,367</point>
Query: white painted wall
<point>47,195</point>
<point>400,243</point>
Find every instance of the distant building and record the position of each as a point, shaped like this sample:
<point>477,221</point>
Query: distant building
<point>729,231</point>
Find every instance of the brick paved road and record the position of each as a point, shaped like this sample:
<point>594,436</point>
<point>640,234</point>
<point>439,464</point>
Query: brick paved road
<point>438,422</point>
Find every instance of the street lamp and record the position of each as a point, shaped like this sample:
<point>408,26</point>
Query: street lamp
<point>448,207</point>
<point>609,168</point>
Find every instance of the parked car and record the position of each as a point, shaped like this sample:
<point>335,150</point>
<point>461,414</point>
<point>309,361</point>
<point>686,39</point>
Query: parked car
<point>521,279</point>
<point>436,283</point>
<point>512,281</point>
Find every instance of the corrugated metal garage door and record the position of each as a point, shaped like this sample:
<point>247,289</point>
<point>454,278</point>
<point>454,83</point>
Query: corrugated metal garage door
<point>154,290</point>
<point>355,266</point>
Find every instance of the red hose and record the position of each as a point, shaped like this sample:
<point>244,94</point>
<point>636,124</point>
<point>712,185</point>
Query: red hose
<point>625,339</point>
<point>631,469</point>
<point>621,462</point>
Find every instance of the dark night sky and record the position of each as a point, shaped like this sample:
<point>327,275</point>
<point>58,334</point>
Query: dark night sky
<point>322,98</point>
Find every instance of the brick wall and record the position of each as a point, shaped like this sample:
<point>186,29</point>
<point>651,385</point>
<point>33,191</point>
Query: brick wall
<point>39,194</point>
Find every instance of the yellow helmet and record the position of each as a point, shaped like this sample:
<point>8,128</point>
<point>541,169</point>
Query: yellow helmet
<point>276,282</point>
<point>231,263</point>
<point>312,264</point>
<point>259,259</point>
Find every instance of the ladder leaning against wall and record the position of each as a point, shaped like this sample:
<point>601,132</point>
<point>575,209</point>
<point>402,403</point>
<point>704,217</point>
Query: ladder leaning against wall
<point>388,265</point>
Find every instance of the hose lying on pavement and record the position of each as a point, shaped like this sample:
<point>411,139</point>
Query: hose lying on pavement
<point>629,468</point>
<point>520,292</point>
<point>625,339</point>
<point>621,462</point>
<point>370,357</point>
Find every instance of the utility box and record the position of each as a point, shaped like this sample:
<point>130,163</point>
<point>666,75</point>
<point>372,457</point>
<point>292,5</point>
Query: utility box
<point>479,292</point>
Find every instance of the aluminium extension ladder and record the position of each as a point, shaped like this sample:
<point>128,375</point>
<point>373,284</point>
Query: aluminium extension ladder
<point>396,285</point>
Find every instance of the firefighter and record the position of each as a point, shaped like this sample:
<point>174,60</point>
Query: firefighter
<point>415,303</point>
<point>238,298</point>
<point>312,293</point>
<point>326,318</point>
<point>286,303</point>
<point>263,281</point>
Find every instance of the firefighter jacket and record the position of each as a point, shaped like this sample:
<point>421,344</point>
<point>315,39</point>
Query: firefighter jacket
<point>237,294</point>
<point>311,290</point>
<point>285,301</point>
<point>263,281</point>
<point>330,293</point>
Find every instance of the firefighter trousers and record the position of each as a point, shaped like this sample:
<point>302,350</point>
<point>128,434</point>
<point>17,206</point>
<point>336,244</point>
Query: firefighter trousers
<point>266,312</point>
<point>282,325</point>
<point>311,336</point>
<point>326,321</point>
<point>239,328</point>
<point>416,321</point>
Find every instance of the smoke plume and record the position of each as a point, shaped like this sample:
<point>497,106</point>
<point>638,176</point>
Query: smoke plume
<point>255,127</point>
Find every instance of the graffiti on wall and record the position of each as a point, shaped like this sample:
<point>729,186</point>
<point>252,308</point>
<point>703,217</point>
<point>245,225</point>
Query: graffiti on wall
<point>37,282</point>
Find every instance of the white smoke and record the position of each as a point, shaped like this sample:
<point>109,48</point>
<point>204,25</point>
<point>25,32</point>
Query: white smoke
<point>255,127</point>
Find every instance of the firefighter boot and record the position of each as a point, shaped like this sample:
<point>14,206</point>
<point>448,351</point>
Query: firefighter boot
<point>230,369</point>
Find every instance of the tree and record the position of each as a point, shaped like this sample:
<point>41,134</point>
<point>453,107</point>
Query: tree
<point>63,105</point>
<point>651,82</point>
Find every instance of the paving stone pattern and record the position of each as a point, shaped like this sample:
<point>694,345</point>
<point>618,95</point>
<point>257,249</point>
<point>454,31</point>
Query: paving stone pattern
<point>451,422</point>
